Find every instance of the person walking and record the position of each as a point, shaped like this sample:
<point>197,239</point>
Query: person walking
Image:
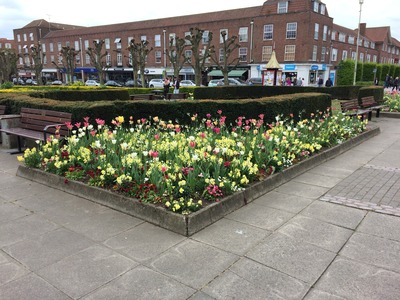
<point>328,82</point>
<point>320,81</point>
<point>166,84</point>
<point>176,85</point>
<point>395,84</point>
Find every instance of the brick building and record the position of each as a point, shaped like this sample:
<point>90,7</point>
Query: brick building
<point>306,41</point>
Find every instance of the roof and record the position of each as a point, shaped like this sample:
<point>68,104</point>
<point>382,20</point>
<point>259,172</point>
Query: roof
<point>273,62</point>
<point>378,34</point>
<point>51,25</point>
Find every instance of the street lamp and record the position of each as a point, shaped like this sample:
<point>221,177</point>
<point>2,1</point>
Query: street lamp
<point>165,53</point>
<point>82,72</point>
<point>358,41</point>
<point>251,40</point>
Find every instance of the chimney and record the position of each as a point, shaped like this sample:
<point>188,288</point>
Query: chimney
<point>363,27</point>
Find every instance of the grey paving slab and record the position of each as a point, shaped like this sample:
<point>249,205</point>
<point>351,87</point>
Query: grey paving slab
<point>333,171</point>
<point>325,180</point>
<point>25,189</point>
<point>386,158</point>
<point>335,214</point>
<point>11,211</point>
<point>144,242</point>
<point>193,263</point>
<point>31,287</point>
<point>357,281</point>
<point>261,216</point>
<point>302,190</point>
<point>318,233</point>
<point>142,283</point>
<point>381,225</point>
<point>10,269</point>
<point>231,236</point>
<point>42,250</point>
<point>291,256</point>
<point>103,225</point>
<point>27,227</point>
<point>275,284</point>
<point>201,296</point>
<point>290,203</point>
<point>315,294</point>
<point>373,250</point>
<point>85,271</point>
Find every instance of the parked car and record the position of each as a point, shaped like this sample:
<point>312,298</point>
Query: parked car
<point>254,81</point>
<point>112,83</point>
<point>156,83</point>
<point>232,81</point>
<point>57,82</point>
<point>131,83</point>
<point>30,82</point>
<point>91,82</point>
<point>187,83</point>
<point>213,82</point>
<point>19,81</point>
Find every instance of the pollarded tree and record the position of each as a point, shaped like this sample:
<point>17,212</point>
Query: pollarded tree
<point>67,58</point>
<point>97,58</point>
<point>225,58</point>
<point>8,64</point>
<point>200,42</point>
<point>137,59</point>
<point>176,54</point>
<point>38,57</point>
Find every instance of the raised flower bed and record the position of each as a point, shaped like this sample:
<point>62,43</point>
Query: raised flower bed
<point>184,178</point>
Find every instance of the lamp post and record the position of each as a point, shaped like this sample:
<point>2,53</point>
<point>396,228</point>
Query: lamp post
<point>251,40</point>
<point>358,41</point>
<point>165,52</point>
<point>82,72</point>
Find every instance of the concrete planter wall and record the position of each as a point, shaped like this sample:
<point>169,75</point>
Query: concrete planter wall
<point>188,224</point>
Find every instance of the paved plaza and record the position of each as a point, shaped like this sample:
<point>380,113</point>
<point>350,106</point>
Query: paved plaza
<point>331,233</point>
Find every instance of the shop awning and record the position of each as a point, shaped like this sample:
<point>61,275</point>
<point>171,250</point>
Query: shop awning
<point>236,73</point>
<point>215,73</point>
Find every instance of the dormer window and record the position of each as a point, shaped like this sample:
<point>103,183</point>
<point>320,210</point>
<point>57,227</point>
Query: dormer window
<point>316,6</point>
<point>282,7</point>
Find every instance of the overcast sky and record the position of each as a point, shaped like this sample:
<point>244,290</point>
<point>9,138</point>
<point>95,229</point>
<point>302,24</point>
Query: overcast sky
<point>17,13</point>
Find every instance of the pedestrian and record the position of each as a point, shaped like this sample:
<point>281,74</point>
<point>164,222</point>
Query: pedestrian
<point>328,82</point>
<point>320,81</point>
<point>299,82</point>
<point>176,85</point>
<point>387,81</point>
<point>167,83</point>
<point>395,84</point>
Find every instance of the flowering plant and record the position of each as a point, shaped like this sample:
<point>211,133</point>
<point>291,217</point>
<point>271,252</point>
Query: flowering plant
<point>392,100</point>
<point>183,168</point>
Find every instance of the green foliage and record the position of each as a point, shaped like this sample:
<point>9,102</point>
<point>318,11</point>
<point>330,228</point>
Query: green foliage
<point>6,85</point>
<point>368,72</point>
<point>345,74</point>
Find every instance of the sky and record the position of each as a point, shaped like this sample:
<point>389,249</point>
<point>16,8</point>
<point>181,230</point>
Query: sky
<point>18,13</point>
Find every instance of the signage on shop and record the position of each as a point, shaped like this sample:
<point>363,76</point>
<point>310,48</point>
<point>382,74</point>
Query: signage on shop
<point>290,67</point>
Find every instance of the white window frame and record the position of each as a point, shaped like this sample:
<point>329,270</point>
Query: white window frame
<point>316,31</point>
<point>107,43</point>
<point>243,54</point>
<point>325,33</point>
<point>266,53</point>
<point>157,40</point>
<point>291,33</point>
<point>158,56</point>
<point>243,34</point>
<point>172,37</point>
<point>314,53</point>
<point>282,7</point>
<point>119,59</point>
<point>344,55</point>
<point>221,40</point>
<point>205,38</point>
<point>290,53</point>
<point>268,32</point>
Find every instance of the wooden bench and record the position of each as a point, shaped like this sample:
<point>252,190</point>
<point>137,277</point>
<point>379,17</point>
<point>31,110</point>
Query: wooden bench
<point>370,103</point>
<point>39,124</point>
<point>352,108</point>
<point>142,97</point>
<point>177,96</point>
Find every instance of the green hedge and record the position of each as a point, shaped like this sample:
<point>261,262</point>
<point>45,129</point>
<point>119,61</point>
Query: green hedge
<point>180,110</point>
<point>82,95</point>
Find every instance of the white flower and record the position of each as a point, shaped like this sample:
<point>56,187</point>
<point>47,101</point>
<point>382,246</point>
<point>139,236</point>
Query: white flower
<point>114,142</point>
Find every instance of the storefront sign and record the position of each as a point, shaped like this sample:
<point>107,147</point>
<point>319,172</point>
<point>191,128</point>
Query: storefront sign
<point>290,67</point>
<point>314,67</point>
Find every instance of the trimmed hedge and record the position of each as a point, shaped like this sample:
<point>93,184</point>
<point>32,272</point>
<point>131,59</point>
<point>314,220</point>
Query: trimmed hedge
<point>177,110</point>
<point>82,95</point>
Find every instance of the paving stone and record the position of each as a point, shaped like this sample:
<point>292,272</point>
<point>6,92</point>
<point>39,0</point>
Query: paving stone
<point>201,296</point>
<point>335,214</point>
<point>10,269</point>
<point>30,226</point>
<point>260,216</point>
<point>276,285</point>
<point>333,171</point>
<point>293,257</point>
<point>103,225</point>
<point>289,203</point>
<point>144,284</point>
<point>354,280</point>
<point>231,236</point>
<point>193,263</point>
<point>325,180</point>
<point>318,233</point>
<point>381,225</point>
<point>43,250</point>
<point>373,250</point>
<point>85,271</point>
<point>315,294</point>
<point>11,211</point>
<point>144,242</point>
<point>30,287</point>
<point>302,189</point>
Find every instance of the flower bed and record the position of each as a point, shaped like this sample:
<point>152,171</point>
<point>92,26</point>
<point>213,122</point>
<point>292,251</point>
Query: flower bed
<point>184,170</point>
<point>392,100</point>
